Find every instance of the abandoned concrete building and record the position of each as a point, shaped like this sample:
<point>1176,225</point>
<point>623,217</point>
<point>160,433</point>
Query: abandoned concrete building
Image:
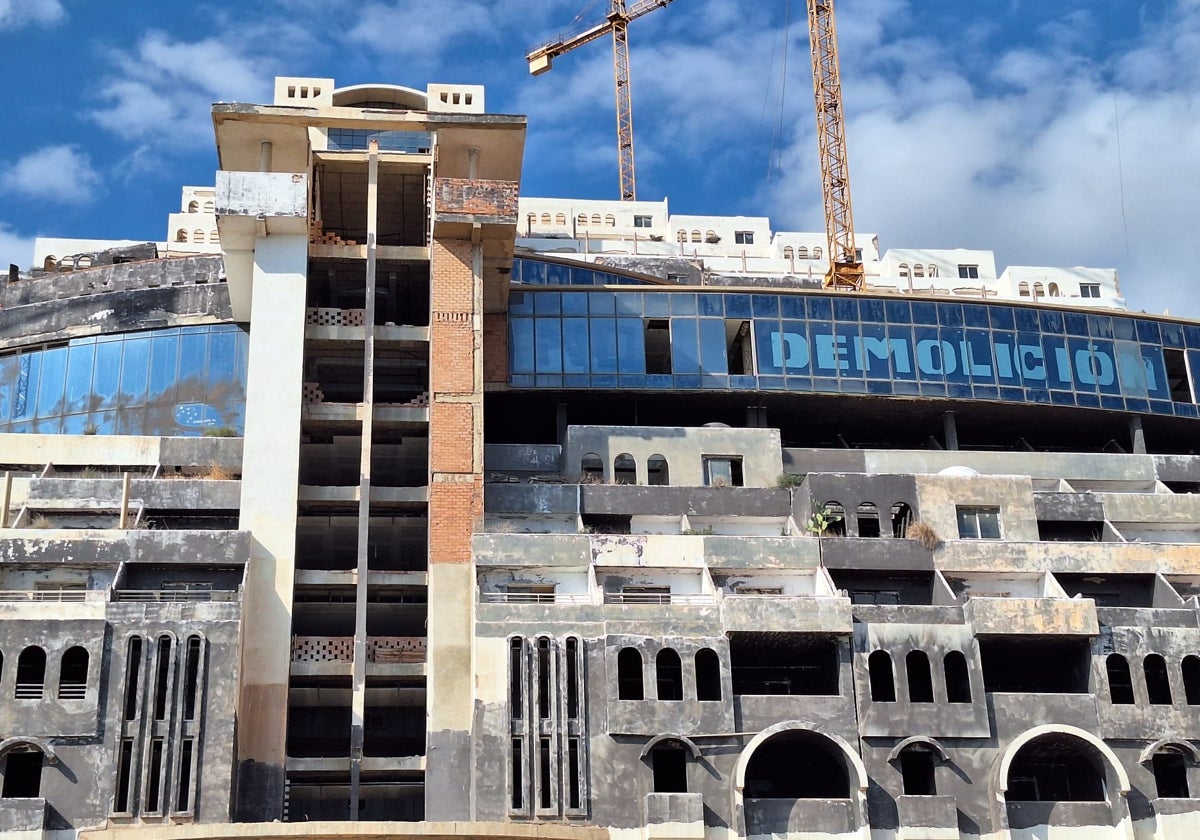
<point>402,515</point>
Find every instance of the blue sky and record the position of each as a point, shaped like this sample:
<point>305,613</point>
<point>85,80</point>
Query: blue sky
<point>1056,132</point>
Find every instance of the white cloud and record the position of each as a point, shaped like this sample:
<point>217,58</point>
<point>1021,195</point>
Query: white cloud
<point>14,249</point>
<point>16,13</point>
<point>164,89</point>
<point>413,28</point>
<point>56,174</point>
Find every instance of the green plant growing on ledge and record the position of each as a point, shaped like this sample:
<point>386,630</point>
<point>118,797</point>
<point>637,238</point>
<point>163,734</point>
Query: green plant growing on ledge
<point>787,481</point>
<point>705,531</point>
<point>221,431</point>
<point>91,429</point>
<point>822,521</point>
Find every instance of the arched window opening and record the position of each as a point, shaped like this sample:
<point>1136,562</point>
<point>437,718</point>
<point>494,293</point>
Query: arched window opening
<point>958,679</point>
<point>629,674</point>
<point>531,219</point>
<point>933,270</point>
<point>31,673</point>
<point>669,671</point>
<point>668,759</point>
<point>545,679</point>
<point>901,517</point>
<point>1191,679</point>
<point>789,253</point>
<point>802,253</point>
<point>708,675</point>
<point>657,472</point>
<point>695,236</point>
<point>1023,289</point>
<point>181,235</point>
<point>23,773</point>
<point>904,272</point>
<point>1170,767</point>
<point>591,469</point>
<point>1158,684</point>
<point>817,253</point>
<point>681,236</point>
<point>918,270</point>
<point>133,672</point>
<point>573,672</point>
<point>191,677</point>
<point>797,765</point>
<point>1039,290</point>
<point>546,218</point>
<point>73,674</point>
<point>83,261</point>
<point>917,765</point>
<point>835,514</point>
<point>625,469</point>
<point>595,218</point>
<point>920,681</point>
<point>1056,768</point>
<point>1053,289</point>
<point>1120,683</point>
<point>209,207</point>
<point>867,517</point>
<point>610,221</point>
<point>581,220</point>
<point>193,206</point>
<point>516,692</point>
<point>883,681</point>
<point>197,235</point>
<point>560,218</point>
<point>162,678</point>
<point>213,236</point>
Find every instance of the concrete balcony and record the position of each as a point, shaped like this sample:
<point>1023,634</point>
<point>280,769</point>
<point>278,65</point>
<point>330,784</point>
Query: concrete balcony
<point>927,818</point>
<point>786,614</point>
<point>279,200</point>
<point>628,499</point>
<point>799,817</point>
<point>1035,616</point>
<point>20,818</point>
<point>1097,815</point>
<point>674,816</point>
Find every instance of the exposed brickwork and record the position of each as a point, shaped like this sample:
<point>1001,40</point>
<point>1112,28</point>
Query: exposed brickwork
<point>495,348</point>
<point>477,198</point>
<point>451,446</point>
<point>450,270</point>
<point>454,508</point>
<point>452,365</point>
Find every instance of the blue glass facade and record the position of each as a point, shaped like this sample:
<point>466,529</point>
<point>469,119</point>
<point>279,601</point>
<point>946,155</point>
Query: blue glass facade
<point>357,139</point>
<point>820,343</point>
<point>178,381</point>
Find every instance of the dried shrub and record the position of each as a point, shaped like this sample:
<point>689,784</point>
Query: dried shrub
<point>924,534</point>
<point>220,473</point>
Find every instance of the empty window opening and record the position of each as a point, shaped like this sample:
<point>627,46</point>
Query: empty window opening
<point>978,523</point>
<point>1177,375</point>
<point>191,678</point>
<point>133,671</point>
<point>23,774</point>
<point>1120,683</point>
<point>958,678</point>
<point>1039,290</point>
<point>545,218</point>
<point>573,773</point>
<point>1190,669</point>
<point>625,469</point>
<point>669,671</point>
<point>917,770</point>
<point>1170,774</point>
<point>1035,665</point>
<point>595,218</point>
<point>1158,684</point>
<point>121,804</point>
<point>516,763</point>
<point>708,675</point>
<point>606,523</point>
<point>901,517</point>
<point>696,236</point>
<point>560,218</point>
<point>73,674</point>
<point>31,674</point>
<point>658,473</point>
<point>154,782</point>
<point>515,694</point>
<point>544,674</point>
<point>162,678</point>
<point>1061,531</point>
<point>784,664</point>
<point>658,345</point>
<point>904,270</point>
<point>1056,768</point>
<point>722,471</point>
<point>572,678</point>
<point>183,798</point>
<point>682,236</point>
<point>739,347</point>
<point>591,469</point>
<point>669,762</point>
<point>797,765</point>
<point>920,680</point>
<point>1053,287</point>
<point>789,253</point>
<point>918,271</point>
<point>868,520</point>
<point>1110,590</point>
<point>181,235</point>
<point>629,674</point>
<point>544,800</point>
<point>582,219</point>
<point>883,680</point>
<point>817,252</point>
<point>193,206</point>
<point>610,221</point>
<point>868,587</point>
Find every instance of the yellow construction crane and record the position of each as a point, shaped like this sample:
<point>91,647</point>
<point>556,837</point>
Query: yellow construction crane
<point>845,266</point>
<point>617,22</point>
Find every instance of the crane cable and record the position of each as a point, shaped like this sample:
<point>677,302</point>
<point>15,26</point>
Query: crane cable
<point>775,155</point>
<point>1117,124</point>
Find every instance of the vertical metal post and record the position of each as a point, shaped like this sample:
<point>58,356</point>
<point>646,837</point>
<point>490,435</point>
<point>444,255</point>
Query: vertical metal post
<point>7,500</point>
<point>124,500</point>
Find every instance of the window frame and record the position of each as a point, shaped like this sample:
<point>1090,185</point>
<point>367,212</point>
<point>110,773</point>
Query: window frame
<point>970,514</point>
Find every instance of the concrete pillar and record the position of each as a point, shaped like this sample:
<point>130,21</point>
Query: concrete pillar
<point>951,428</point>
<point>271,473</point>
<point>1137,435</point>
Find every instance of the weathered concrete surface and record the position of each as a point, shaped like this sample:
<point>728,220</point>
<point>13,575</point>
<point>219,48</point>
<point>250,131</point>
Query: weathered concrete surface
<point>122,277</point>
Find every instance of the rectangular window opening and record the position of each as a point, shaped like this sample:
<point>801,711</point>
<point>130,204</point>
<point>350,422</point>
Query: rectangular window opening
<point>153,781</point>
<point>1089,290</point>
<point>132,673</point>
<point>739,347</point>
<point>162,678</point>
<point>722,471</point>
<point>641,221</point>
<point>743,237</point>
<point>183,794</point>
<point>544,800</point>
<point>1035,665</point>
<point>916,766</point>
<point>516,695</point>
<point>22,775</point>
<point>121,804</point>
<point>658,345</point>
<point>979,523</point>
<point>191,679</point>
<point>572,678</point>
<point>1177,375</point>
<point>517,800</point>
<point>968,272</point>
<point>543,667</point>
<point>573,773</point>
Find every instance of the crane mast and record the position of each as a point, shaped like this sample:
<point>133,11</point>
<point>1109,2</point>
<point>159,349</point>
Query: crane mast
<point>845,267</point>
<point>617,22</point>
